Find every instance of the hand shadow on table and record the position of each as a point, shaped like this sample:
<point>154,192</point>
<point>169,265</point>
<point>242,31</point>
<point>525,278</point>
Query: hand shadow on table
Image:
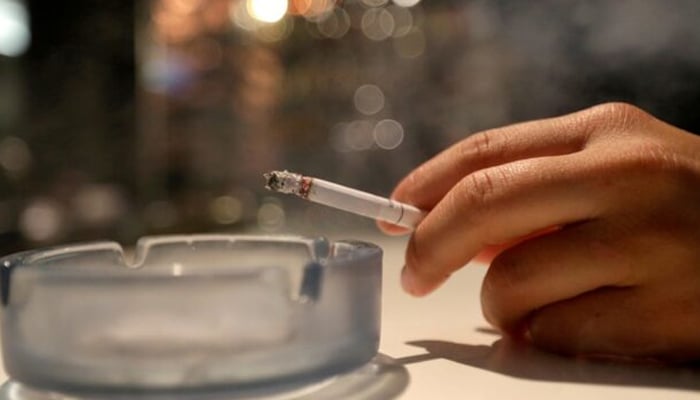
<point>520,360</point>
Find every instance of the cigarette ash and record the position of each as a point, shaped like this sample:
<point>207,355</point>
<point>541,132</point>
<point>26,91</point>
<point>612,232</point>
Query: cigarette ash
<point>282,181</point>
<point>272,181</point>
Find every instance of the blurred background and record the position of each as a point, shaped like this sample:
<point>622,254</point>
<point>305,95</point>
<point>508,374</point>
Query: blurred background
<point>120,119</point>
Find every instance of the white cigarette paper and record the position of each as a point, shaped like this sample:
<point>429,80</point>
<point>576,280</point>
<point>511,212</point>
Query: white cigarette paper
<point>344,198</point>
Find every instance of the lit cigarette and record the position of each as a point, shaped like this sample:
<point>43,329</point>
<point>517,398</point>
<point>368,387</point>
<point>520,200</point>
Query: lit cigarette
<point>344,198</point>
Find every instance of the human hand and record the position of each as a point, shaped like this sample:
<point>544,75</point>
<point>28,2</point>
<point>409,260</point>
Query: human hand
<point>596,220</point>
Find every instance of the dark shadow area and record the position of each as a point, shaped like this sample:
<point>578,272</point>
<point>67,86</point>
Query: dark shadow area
<point>518,360</point>
<point>488,330</point>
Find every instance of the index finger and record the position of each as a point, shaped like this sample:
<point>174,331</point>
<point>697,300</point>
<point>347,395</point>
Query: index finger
<point>427,184</point>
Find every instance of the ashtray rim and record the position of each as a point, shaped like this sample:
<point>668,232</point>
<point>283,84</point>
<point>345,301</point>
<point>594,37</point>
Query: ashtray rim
<point>361,249</point>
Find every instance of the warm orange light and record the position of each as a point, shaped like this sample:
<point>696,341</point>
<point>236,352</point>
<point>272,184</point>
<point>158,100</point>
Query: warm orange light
<point>269,11</point>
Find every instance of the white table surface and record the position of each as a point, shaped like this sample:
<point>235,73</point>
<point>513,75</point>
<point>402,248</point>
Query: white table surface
<point>451,353</point>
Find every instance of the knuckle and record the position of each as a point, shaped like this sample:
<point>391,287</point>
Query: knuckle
<point>479,146</point>
<point>617,108</point>
<point>617,116</point>
<point>479,188</point>
<point>642,162</point>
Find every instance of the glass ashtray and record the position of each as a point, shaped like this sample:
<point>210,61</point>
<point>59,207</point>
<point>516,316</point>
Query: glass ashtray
<point>190,313</point>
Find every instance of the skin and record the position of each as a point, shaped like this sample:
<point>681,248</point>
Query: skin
<point>591,224</point>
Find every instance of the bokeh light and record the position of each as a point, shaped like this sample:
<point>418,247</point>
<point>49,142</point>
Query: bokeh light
<point>226,210</point>
<point>269,11</point>
<point>377,24</point>
<point>312,10</point>
<point>262,18</point>
<point>359,135</point>
<point>271,215</point>
<point>15,35</point>
<point>388,134</point>
<point>42,220</point>
<point>374,3</point>
<point>369,99</point>
<point>15,156</point>
<point>335,25</point>
<point>99,205</point>
<point>238,12</point>
<point>165,72</point>
<point>403,20</point>
<point>406,3</point>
